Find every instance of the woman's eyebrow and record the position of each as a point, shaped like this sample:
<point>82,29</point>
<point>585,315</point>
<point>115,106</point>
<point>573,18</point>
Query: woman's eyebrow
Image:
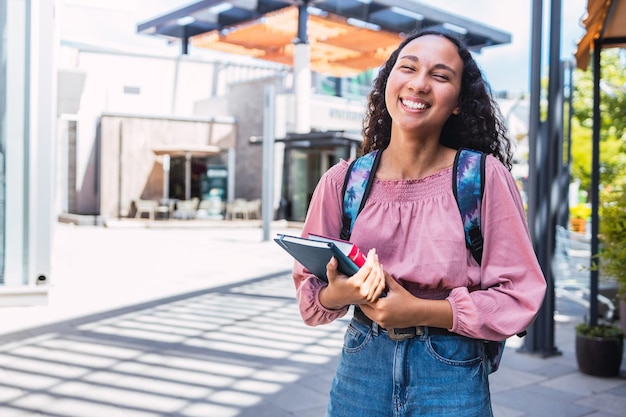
<point>439,66</point>
<point>410,57</point>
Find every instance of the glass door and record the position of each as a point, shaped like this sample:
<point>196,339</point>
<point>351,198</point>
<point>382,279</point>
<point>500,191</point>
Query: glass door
<point>303,169</point>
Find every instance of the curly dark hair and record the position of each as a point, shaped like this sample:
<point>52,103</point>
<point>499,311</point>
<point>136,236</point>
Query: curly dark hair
<point>479,125</point>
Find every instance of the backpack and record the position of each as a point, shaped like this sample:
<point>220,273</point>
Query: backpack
<point>468,184</point>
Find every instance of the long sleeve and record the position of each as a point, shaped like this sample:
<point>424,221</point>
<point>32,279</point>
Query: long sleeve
<point>512,285</point>
<point>323,217</point>
<point>416,228</point>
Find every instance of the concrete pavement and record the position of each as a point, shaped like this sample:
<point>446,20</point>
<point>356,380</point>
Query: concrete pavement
<point>199,319</point>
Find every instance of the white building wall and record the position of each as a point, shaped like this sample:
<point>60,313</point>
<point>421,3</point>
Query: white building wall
<point>147,85</point>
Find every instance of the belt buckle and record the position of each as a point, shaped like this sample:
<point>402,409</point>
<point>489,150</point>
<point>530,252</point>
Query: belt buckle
<point>394,335</point>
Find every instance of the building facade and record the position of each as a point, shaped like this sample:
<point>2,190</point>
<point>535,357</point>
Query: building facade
<point>111,143</point>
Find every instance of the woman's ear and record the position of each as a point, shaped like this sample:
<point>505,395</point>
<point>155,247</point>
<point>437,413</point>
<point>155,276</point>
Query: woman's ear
<point>457,110</point>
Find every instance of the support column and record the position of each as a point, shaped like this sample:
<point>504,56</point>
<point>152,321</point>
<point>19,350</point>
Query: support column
<point>187,175</point>
<point>543,158</point>
<point>267,206</point>
<point>595,185</point>
<point>166,176</point>
<point>302,72</point>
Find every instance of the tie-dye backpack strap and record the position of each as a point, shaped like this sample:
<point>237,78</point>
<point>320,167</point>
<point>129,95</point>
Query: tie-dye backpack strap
<point>468,185</point>
<point>356,188</point>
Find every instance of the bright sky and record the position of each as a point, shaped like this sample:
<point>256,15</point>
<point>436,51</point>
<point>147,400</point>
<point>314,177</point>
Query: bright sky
<point>506,67</point>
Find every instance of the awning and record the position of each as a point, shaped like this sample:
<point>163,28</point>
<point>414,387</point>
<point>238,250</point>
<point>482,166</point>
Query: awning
<point>182,150</point>
<point>605,20</point>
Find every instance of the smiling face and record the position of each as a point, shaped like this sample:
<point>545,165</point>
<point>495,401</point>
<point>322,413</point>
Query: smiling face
<point>424,85</point>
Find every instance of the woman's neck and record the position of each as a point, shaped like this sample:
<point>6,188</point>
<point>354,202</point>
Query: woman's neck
<point>414,160</point>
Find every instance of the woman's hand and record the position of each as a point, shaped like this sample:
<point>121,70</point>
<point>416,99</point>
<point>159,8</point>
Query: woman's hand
<point>366,286</point>
<point>400,308</point>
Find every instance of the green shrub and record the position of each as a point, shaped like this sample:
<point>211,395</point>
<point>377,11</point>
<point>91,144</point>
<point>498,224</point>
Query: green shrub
<point>601,330</point>
<point>613,239</point>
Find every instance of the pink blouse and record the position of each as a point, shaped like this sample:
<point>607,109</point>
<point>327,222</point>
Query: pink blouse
<point>416,228</point>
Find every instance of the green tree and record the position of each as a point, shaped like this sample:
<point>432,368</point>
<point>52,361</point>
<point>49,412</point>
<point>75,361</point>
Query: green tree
<point>612,125</point>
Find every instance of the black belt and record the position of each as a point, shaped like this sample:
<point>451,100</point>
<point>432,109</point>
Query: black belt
<point>402,333</point>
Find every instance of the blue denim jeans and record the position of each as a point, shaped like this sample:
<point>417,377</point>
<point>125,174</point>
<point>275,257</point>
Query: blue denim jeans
<point>430,375</point>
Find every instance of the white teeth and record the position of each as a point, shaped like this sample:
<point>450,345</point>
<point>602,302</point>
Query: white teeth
<point>413,105</point>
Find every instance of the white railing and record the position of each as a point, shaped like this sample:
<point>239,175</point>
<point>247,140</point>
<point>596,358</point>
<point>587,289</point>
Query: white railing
<point>571,271</point>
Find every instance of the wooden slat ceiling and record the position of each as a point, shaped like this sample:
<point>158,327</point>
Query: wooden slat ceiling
<point>337,48</point>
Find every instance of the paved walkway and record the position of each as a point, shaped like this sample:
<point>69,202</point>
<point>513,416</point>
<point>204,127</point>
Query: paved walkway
<point>200,321</point>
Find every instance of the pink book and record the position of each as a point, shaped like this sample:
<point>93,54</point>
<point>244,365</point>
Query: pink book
<point>351,250</point>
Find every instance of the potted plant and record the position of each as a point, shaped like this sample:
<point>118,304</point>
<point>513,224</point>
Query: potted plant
<point>599,349</point>
<point>578,217</point>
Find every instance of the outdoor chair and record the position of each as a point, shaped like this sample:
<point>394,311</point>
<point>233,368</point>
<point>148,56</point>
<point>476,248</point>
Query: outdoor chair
<point>148,207</point>
<point>244,209</point>
<point>186,209</point>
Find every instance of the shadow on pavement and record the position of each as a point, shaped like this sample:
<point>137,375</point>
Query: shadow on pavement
<point>235,351</point>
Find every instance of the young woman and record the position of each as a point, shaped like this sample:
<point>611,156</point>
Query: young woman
<point>429,100</point>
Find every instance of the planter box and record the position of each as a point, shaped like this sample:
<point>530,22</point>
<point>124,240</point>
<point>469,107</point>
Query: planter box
<point>598,356</point>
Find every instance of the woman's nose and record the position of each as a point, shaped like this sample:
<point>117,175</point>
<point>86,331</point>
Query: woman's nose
<point>419,83</point>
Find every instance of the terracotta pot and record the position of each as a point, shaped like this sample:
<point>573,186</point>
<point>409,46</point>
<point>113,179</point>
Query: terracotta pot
<point>578,225</point>
<point>599,356</point>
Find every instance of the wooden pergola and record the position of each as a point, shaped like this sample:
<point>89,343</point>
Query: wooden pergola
<point>337,48</point>
<point>346,37</point>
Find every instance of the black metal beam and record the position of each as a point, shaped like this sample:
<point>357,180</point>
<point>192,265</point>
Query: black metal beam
<point>595,184</point>
<point>303,17</point>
